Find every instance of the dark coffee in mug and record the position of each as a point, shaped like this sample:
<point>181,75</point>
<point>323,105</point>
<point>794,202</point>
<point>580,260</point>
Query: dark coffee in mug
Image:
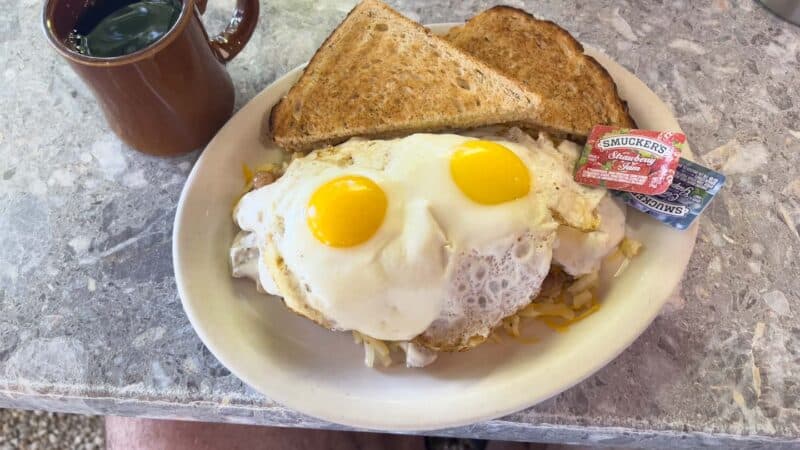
<point>110,28</point>
<point>158,77</point>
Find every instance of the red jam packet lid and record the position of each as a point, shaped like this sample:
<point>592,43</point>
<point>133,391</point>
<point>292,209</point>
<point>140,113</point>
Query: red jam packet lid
<point>630,160</point>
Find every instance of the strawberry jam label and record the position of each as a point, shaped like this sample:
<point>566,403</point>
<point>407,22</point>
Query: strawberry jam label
<point>624,159</point>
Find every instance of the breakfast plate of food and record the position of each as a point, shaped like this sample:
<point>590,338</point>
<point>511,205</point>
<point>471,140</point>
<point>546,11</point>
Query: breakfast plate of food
<point>391,236</point>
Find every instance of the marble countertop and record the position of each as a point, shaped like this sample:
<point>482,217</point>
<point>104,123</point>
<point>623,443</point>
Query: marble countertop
<point>89,316</point>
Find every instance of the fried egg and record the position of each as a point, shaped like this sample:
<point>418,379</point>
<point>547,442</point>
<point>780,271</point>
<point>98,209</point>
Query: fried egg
<point>433,238</point>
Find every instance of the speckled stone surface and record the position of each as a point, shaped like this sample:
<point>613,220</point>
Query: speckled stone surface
<point>89,316</point>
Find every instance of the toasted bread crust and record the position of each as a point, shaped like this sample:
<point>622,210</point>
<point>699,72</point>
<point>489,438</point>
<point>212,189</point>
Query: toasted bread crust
<point>381,75</point>
<point>577,91</point>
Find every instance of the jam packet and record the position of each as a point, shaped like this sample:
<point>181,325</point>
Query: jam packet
<point>631,160</point>
<point>693,186</point>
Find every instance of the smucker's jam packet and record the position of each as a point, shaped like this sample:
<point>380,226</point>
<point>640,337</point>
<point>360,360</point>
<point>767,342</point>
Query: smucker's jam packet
<point>631,160</point>
<point>692,189</point>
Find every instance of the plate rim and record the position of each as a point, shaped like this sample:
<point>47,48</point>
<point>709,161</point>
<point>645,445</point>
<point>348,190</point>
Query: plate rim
<point>335,414</point>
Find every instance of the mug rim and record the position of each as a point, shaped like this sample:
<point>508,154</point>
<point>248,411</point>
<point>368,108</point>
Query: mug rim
<point>66,52</point>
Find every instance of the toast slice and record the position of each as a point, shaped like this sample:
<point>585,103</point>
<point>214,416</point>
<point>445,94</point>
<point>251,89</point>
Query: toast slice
<point>382,75</point>
<point>576,91</point>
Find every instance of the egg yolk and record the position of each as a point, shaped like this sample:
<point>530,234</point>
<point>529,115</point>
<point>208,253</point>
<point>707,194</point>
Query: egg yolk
<point>489,173</point>
<point>346,211</point>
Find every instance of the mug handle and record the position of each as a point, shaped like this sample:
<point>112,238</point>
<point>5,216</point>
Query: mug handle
<point>232,40</point>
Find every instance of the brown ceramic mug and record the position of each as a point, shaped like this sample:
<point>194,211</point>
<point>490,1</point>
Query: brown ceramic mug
<point>168,98</point>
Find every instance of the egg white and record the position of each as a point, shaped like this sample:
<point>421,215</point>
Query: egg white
<point>405,279</point>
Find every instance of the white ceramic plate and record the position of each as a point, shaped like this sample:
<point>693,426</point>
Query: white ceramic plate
<point>321,373</point>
